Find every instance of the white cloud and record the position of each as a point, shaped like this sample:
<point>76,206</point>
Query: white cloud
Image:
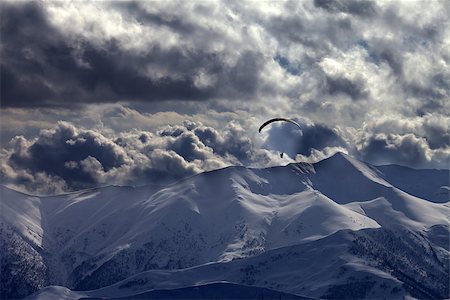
<point>376,73</point>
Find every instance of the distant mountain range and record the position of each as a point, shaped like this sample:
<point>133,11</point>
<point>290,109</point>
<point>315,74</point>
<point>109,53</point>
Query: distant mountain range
<point>339,228</point>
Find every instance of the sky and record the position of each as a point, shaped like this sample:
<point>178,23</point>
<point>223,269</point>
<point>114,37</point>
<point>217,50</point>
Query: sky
<point>129,93</point>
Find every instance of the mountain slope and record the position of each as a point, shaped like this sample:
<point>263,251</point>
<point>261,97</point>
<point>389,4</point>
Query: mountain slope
<point>94,238</point>
<point>220,290</point>
<point>425,184</point>
<point>215,290</point>
<point>371,263</point>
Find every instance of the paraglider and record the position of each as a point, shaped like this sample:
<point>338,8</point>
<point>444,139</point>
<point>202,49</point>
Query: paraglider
<point>280,120</point>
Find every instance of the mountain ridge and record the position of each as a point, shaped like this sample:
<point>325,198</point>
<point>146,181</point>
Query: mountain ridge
<point>296,165</point>
<point>93,238</point>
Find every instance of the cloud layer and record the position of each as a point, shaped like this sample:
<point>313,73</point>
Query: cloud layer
<point>121,51</point>
<point>202,51</point>
<point>167,89</point>
<point>68,158</point>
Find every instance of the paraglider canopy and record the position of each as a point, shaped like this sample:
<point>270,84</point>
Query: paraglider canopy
<point>280,120</point>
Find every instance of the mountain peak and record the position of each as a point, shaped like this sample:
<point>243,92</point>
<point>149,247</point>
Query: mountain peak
<point>366,169</point>
<point>341,160</point>
<point>340,156</point>
<point>338,175</point>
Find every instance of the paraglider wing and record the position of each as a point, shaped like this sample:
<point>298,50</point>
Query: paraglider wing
<point>277,120</point>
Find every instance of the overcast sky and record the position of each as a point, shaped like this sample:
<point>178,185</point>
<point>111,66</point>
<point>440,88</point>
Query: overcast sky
<point>96,93</point>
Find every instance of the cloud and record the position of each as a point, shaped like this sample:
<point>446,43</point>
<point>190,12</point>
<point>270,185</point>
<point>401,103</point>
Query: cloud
<point>167,166</point>
<point>354,7</point>
<point>94,66</point>
<point>421,142</point>
<point>289,139</point>
<point>355,90</point>
<point>66,157</point>
<point>402,149</point>
<point>189,146</point>
<point>21,31</point>
<point>296,53</point>
<point>368,78</point>
<point>437,131</point>
<point>70,154</point>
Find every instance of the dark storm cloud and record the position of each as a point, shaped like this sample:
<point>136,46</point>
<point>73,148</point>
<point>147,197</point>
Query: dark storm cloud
<point>144,138</point>
<point>437,134</point>
<point>188,146</point>
<point>292,29</point>
<point>393,59</point>
<point>289,139</point>
<point>173,131</point>
<point>232,141</point>
<point>68,154</point>
<point>67,158</point>
<point>119,72</point>
<point>432,106</point>
<point>422,142</point>
<point>134,10</point>
<point>289,29</point>
<point>166,167</point>
<point>22,37</point>
<point>354,7</point>
<point>340,85</point>
<point>189,53</point>
<point>406,150</point>
<point>41,66</point>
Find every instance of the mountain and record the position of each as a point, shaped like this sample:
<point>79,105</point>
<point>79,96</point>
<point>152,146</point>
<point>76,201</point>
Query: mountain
<point>215,290</point>
<point>340,228</point>
<point>218,290</point>
<point>425,184</point>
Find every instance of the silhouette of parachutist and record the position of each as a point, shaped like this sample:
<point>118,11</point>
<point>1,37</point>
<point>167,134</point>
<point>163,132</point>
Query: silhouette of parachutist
<point>280,120</point>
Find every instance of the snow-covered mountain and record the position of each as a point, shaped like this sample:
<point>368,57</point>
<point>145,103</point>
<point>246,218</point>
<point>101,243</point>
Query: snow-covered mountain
<point>339,228</point>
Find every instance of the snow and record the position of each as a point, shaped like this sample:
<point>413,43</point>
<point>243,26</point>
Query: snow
<point>56,293</point>
<point>210,227</point>
<point>23,213</point>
